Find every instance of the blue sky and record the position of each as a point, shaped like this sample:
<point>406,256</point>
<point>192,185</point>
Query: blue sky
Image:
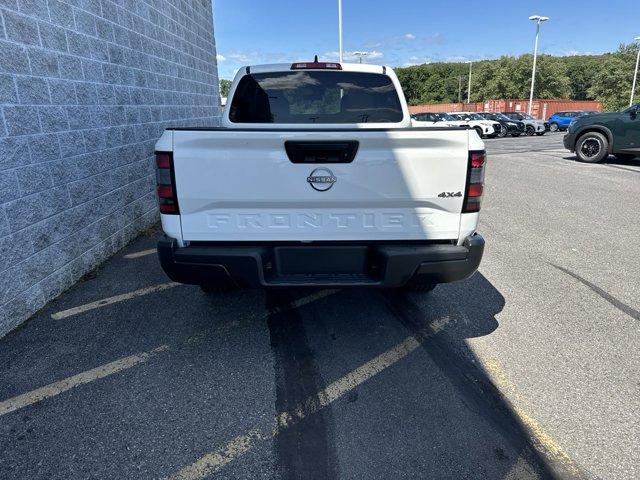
<point>405,32</point>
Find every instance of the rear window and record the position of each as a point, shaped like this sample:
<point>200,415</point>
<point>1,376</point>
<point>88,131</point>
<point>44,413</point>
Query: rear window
<point>315,97</point>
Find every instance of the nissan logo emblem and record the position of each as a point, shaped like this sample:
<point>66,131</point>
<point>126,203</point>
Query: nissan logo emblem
<point>321,179</point>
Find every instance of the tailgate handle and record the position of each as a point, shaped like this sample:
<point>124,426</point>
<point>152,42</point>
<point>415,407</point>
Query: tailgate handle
<point>321,152</point>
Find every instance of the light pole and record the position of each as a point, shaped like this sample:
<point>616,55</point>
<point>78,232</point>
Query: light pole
<point>635,75</point>
<point>340,28</point>
<point>360,55</point>
<point>538,19</point>
<point>469,88</point>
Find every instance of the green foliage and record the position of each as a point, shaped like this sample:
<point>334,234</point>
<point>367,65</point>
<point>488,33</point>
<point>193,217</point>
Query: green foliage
<point>612,81</point>
<point>225,85</point>
<point>606,78</point>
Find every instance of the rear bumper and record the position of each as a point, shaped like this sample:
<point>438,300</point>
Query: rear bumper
<point>282,265</point>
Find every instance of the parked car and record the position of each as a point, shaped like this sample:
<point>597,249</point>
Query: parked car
<point>434,119</point>
<point>596,136</point>
<point>485,128</point>
<point>532,126</point>
<point>317,177</point>
<point>511,127</point>
<point>560,121</point>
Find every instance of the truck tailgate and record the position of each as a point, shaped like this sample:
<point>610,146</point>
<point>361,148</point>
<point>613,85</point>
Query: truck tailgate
<point>241,185</point>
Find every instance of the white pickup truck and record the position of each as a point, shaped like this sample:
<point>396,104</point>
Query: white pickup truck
<point>317,178</point>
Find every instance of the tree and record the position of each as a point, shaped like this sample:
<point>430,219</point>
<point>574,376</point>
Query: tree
<point>225,85</point>
<point>605,77</point>
<point>614,76</point>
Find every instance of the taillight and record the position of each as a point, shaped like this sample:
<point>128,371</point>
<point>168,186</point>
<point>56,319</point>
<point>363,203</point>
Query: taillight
<point>165,179</point>
<point>475,181</point>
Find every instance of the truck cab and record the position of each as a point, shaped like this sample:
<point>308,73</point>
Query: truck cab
<point>317,178</point>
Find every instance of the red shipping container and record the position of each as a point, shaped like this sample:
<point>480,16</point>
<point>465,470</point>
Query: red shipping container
<point>541,109</point>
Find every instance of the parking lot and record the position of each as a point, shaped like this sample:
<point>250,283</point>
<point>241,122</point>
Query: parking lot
<point>527,370</point>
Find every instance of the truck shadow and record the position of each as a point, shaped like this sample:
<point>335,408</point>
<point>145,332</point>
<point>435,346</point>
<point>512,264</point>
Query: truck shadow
<point>236,359</point>
<point>466,428</point>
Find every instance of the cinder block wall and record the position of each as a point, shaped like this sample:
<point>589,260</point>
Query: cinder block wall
<point>86,88</point>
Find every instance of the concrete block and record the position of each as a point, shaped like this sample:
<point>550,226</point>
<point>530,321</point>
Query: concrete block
<point>9,187</point>
<point>32,91</point>
<point>34,8</point>
<point>84,190</point>
<point>79,44</point>
<point>14,152</point>
<point>85,22</point>
<point>70,67</point>
<point>111,73</point>
<point>61,14</point>
<point>71,144</point>
<point>53,119</point>
<point>13,58</point>
<point>92,71</point>
<point>8,93</point>
<point>104,29</point>
<point>44,148</point>
<point>92,6</point>
<point>98,49</point>
<point>86,93</point>
<point>43,62</point>
<point>94,140</point>
<point>20,306</point>
<point>21,120</point>
<point>20,28</point>
<point>34,178</point>
<point>64,171</point>
<point>62,92</point>
<point>53,37</point>
<point>79,117</point>
<point>106,95</point>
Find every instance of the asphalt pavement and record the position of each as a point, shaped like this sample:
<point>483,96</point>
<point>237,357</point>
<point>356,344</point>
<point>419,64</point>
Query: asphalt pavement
<point>528,370</point>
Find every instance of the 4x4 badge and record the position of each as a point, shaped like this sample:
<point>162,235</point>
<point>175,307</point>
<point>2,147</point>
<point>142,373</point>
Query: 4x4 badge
<point>321,179</point>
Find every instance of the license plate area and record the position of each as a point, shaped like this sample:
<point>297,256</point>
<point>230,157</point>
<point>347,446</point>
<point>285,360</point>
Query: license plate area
<point>318,260</point>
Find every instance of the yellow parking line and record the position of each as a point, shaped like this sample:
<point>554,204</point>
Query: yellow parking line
<point>143,253</point>
<point>111,300</point>
<point>213,461</point>
<point>56,388</point>
<point>513,398</point>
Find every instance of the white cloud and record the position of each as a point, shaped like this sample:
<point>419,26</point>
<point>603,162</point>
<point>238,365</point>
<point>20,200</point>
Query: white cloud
<point>352,57</point>
<point>417,61</point>
<point>220,57</point>
<point>241,56</point>
<point>409,36</point>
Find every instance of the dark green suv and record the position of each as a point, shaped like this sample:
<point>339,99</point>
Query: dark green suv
<point>594,137</point>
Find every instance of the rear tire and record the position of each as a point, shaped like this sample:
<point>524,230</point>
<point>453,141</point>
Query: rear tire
<point>503,131</point>
<point>479,131</point>
<point>530,130</point>
<point>554,127</point>
<point>592,147</point>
